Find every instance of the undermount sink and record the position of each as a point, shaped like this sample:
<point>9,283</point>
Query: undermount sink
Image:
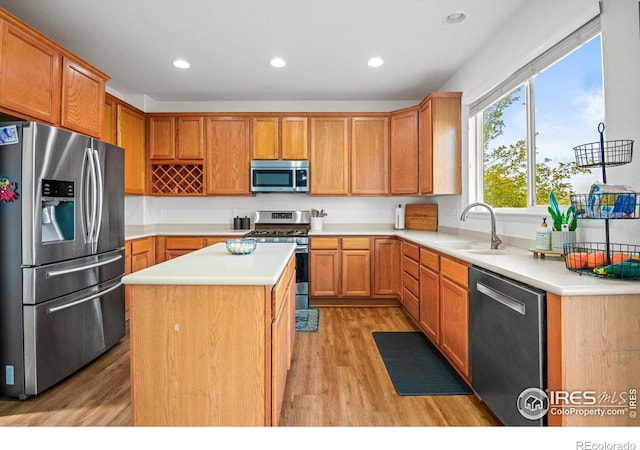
<point>488,251</point>
<point>460,245</point>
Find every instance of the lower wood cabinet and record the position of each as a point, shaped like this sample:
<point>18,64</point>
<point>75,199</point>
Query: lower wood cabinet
<point>355,267</point>
<point>410,279</point>
<point>139,254</point>
<point>429,318</point>
<point>454,313</point>
<point>169,247</point>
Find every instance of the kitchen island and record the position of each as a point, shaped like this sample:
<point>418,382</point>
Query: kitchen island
<point>211,337</point>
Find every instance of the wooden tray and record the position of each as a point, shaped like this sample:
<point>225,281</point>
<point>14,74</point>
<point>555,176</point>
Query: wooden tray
<point>543,253</point>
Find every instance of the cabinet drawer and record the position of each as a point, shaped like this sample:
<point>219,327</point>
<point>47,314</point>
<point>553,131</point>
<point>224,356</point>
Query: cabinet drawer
<point>141,246</point>
<point>455,271</point>
<point>411,303</point>
<point>430,259</point>
<point>217,239</point>
<point>184,243</point>
<point>410,283</point>
<point>355,243</point>
<point>411,267</point>
<point>411,251</point>
<point>328,243</point>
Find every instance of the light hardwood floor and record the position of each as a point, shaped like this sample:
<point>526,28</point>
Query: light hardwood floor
<point>337,379</point>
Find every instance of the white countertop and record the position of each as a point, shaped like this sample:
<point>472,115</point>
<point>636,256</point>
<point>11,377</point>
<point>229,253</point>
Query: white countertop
<point>516,262</point>
<point>213,265</point>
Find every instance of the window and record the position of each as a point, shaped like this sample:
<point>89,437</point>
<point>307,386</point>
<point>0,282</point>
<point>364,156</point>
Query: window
<point>527,126</point>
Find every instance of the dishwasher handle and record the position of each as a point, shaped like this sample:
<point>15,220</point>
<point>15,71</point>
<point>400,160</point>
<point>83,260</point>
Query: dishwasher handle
<point>507,301</point>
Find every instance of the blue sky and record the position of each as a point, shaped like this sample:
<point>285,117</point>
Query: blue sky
<point>569,106</point>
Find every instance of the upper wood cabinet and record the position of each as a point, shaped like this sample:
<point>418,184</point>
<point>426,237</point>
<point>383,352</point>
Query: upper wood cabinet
<point>329,162</point>
<point>29,74</point>
<point>110,122</point>
<point>131,137</point>
<point>227,155</point>
<point>404,152</point>
<point>370,155</point>
<point>39,80</point>
<point>280,138</point>
<point>172,137</point>
<point>82,98</point>
<point>440,144</point>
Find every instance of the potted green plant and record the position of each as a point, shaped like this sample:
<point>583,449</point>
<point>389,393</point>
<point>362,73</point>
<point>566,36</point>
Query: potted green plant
<point>564,224</point>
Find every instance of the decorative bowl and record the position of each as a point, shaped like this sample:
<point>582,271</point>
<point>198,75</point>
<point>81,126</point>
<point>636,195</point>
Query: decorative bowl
<point>241,246</point>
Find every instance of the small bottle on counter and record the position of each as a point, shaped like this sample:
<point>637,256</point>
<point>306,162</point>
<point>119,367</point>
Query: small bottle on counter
<point>246,223</point>
<point>543,236</point>
<point>237,223</point>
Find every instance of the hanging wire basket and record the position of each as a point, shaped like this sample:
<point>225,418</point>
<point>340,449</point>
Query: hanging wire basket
<point>604,260</point>
<point>607,153</point>
<point>612,205</point>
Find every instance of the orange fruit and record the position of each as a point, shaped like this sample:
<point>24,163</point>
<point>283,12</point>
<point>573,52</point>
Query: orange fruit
<point>576,260</point>
<point>596,259</point>
<point>618,257</point>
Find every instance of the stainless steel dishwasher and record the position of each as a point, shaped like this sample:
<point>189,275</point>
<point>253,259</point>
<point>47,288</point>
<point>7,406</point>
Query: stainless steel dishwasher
<point>507,342</point>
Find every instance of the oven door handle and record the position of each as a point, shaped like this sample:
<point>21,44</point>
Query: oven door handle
<point>501,298</point>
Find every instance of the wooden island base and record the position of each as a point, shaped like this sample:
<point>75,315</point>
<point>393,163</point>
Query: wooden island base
<point>209,355</point>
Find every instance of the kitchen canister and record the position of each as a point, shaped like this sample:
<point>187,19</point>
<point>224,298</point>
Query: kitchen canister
<point>316,223</point>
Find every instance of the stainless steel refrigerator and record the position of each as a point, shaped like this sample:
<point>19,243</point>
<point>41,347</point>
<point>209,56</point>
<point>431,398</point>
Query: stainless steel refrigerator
<point>61,254</point>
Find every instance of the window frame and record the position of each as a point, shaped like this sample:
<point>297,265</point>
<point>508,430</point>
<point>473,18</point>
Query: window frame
<point>523,76</point>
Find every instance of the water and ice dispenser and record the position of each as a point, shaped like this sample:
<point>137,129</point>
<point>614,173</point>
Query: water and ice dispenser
<point>58,211</point>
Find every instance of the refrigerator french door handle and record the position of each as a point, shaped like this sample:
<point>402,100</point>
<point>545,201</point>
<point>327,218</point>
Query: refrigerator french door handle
<point>100,195</point>
<point>56,273</point>
<point>501,298</point>
<point>82,300</point>
<point>92,206</point>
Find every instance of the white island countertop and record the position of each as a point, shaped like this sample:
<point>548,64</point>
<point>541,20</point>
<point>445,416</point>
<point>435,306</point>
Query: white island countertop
<point>213,265</point>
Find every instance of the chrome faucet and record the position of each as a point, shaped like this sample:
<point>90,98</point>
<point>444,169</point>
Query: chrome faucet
<point>495,240</point>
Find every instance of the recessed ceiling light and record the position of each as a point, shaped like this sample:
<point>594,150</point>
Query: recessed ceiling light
<point>278,62</point>
<point>455,17</point>
<point>181,64</point>
<point>375,62</point>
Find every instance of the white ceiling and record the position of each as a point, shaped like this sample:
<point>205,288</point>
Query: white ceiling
<point>229,43</point>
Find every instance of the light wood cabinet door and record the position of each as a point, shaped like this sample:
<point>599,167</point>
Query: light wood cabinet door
<point>356,273</point>
<point>82,99</point>
<point>190,139</point>
<point>131,137</point>
<point>265,138</point>
<point>30,74</point>
<point>294,138</point>
<point>369,155</point>
<point>110,122</point>
<point>404,152</point>
<point>324,273</point>
<point>454,324</point>
<point>162,137</point>
<point>429,317</point>
<point>386,267</point>
<point>227,161</point>
<point>329,163</point>
<point>281,344</point>
<point>440,144</point>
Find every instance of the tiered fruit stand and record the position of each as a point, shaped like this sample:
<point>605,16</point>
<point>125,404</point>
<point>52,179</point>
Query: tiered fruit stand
<point>605,259</point>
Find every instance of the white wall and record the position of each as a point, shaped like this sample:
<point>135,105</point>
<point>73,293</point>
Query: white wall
<point>221,210</point>
<point>533,29</point>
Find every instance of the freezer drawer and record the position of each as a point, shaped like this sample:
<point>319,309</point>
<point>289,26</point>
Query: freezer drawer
<point>55,280</point>
<point>63,335</point>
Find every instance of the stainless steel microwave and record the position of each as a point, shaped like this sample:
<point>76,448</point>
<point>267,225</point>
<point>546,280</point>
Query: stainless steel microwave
<point>279,176</point>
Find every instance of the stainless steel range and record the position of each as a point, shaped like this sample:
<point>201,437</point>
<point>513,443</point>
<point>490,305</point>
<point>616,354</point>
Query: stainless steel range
<point>288,226</point>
